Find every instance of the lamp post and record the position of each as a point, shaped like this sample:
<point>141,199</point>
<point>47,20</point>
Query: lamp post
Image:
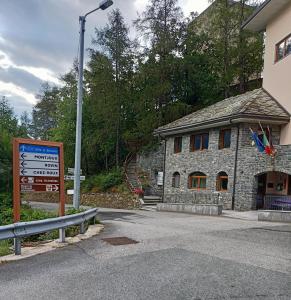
<point>82,19</point>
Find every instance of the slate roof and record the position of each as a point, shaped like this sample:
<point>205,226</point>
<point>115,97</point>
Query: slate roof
<point>255,104</point>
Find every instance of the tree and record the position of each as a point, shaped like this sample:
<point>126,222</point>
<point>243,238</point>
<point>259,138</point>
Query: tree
<point>250,48</point>
<point>238,54</point>
<point>44,112</point>
<point>64,129</point>
<point>114,41</point>
<point>162,26</point>
<point>26,123</point>
<point>9,129</point>
<point>100,109</point>
<point>201,84</point>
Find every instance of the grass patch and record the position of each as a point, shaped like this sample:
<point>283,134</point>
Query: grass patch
<point>5,247</point>
<point>29,214</point>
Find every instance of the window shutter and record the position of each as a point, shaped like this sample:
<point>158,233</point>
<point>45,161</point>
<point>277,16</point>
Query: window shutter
<point>192,143</point>
<point>221,138</point>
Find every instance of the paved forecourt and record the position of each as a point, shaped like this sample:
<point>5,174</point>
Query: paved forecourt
<point>178,256</point>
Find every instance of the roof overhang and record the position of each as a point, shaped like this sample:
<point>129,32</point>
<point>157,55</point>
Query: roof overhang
<point>275,120</point>
<point>264,14</point>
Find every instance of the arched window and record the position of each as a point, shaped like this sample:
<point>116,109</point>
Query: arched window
<point>176,180</point>
<point>197,181</point>
<point>222,182</point>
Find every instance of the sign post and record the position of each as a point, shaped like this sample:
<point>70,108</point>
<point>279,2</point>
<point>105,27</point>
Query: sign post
<point>38,166</point>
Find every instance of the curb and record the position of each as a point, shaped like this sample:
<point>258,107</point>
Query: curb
<point>93,230</point>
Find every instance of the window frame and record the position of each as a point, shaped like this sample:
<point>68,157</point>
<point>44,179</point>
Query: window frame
<point>178,142</point>
<point>201,137</point>
<point>219,183</point>
<point>174,180</point>
<point>284,40</point>
<point>199,177</point>
<point>221,142</point>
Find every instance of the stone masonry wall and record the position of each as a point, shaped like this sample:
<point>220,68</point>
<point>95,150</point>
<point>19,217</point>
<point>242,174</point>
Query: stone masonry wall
<point>250,163</point>
<point>108,200</point>
<point>210,162</point>
<point>152,163</point>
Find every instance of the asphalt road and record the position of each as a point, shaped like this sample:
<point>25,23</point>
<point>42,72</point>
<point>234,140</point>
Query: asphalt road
<point>178,257</point>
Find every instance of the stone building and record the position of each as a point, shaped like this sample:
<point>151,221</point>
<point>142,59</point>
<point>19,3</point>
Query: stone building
<point>209,156</point>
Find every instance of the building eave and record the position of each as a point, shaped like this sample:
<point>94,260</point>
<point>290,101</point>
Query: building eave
<point>264,14</point>
<point>226,121</point>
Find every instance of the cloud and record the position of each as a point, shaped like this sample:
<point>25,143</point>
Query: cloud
<point>193,6</point>
<point>20,77</point>
<point>19,104</point>
<point>39,39</point>
<point>9,88</point>
<point>41,73</point>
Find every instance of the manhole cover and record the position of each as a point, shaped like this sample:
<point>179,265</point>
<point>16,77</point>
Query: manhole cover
<point>117,241</point>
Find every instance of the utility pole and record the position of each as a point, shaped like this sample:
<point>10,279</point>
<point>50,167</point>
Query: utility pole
<point>82,19</point>
<point>76,200</point>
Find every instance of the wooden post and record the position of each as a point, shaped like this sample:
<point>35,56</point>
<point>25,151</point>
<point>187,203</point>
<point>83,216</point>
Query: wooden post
<point>16,185</point>
<point>62,182</point>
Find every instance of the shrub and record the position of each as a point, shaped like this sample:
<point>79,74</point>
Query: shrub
<point>103,182</point>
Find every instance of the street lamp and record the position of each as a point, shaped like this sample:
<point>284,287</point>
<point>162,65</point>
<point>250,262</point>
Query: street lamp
<point>82,19</point>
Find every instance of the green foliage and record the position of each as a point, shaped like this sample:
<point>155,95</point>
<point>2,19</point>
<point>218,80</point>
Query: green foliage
<point>5,247</point>
<point>238,54</point>
<point>103,182</point>
<point>44,113</point>
<point>175,66</point>
<point>9,128</point>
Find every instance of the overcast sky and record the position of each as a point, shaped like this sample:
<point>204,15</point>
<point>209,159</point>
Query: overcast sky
<point>39,40</point>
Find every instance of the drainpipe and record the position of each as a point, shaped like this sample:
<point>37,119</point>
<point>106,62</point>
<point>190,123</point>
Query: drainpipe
<point>164,171</point>
<point>235,169</point>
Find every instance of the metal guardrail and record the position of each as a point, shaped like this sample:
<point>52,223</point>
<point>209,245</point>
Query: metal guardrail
<point>20,230</point>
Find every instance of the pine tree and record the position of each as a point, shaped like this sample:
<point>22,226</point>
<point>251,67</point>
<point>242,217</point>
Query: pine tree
<point>115,42</point>
<point>44,112</point>
<point>162,26</point>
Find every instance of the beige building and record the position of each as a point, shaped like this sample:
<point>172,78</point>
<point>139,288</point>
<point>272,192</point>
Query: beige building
<point>274,16</point>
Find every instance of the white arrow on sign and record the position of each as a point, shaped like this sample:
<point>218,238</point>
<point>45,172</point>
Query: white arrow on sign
<point>52,188</point>
<point>39,172</point>
<point>27,164</point>
<point>39,157</point>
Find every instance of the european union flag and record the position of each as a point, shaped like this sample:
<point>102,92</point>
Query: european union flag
<point>258,142</point>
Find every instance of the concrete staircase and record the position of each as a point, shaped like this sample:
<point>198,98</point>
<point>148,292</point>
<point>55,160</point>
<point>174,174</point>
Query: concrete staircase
<point>152,200</point>
<point>133,182</point>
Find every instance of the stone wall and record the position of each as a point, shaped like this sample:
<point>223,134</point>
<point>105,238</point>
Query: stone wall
<point>210,162</point>
<point>250,163</point>
<point>151,163</point>
<point>108,200</point>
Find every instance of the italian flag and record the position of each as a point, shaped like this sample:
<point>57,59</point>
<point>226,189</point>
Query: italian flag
<point>266,143</point>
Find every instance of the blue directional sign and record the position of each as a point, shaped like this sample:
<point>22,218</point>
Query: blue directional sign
<point>38,161</point>
<point>38,149</point>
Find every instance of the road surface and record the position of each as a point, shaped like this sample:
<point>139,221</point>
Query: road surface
<point>178,256</point>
